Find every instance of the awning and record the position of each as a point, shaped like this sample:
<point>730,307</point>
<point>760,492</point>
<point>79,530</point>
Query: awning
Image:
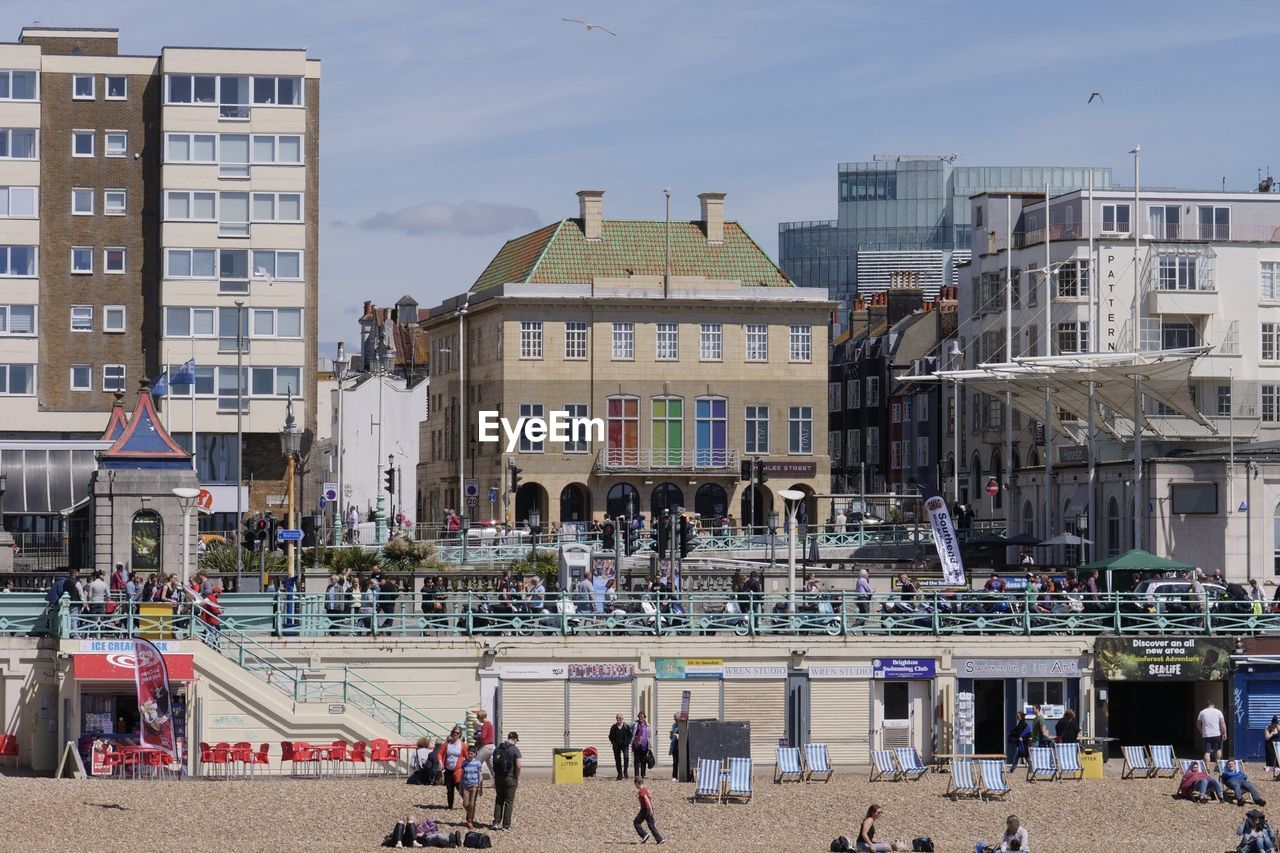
<point>48,478</point>
<point>120,667</point>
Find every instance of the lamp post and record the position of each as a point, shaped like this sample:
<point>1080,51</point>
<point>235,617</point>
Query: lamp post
<point>793,498</point>
<point>339,374</point>
<point>239,439</point>
<point>187,500</point>
<point>290,444</point>
<point>462,406</point>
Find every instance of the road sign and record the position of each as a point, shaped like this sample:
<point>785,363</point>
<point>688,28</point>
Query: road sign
<point>471,487</point>
<point>323,502</point>
<point>472,500</point>
<point>204,501</point>
<point>288,534</point>
<point>330,491</point>
<point>493,496</point>
<point>993,488</point>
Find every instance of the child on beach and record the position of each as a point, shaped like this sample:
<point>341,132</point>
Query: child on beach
<point>646,814</point>
<point>471,787</point>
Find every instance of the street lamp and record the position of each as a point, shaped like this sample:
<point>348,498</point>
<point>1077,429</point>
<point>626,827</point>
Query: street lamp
<point>339,373</point>
<point>793,498</point>
<point>187,500</point>
<point>462,405</point>
<point>290,445</point>
<point>773,526</point>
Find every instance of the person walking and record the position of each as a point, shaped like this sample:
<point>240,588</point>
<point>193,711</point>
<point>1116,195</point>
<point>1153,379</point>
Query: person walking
<point>507,764</point>
<point>1040,734</point>
<point>452,754</point>
<point>674,748</point>
<point>471,788</point>
<point>484,739</point>
<point>1212,728</point>
<point>645,815</point>
<point>98,590</point>
<point>1019,741</point>
<point>620,739</point>
<point>640,746</point>
<point>1068,727</point>
<point>1271,740</point>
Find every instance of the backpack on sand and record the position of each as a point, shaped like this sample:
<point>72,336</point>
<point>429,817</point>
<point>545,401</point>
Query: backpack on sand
<point>476,841</point>
<point>922,843</point>
<point>841,845</point>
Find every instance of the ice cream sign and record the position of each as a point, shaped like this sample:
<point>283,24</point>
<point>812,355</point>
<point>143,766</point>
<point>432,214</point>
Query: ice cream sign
<point>903,668</point>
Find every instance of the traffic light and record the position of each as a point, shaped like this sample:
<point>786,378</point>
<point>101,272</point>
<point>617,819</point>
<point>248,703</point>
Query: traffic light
<point>628,536</point>
<point>761,476</point>
<point>515,479</point>
<point>261,529</point>
<point>390,480</point>
<point>663,532</point>
<point>686,537</point>
<point>607,535</point>
<point>250,531</point>
<point>747,465</point>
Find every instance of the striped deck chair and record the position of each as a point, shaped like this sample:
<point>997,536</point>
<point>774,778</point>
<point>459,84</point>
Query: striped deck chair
<point>883,766</point>
<point>1040,763</point>
<point>962,783</point>
<point>1162,761</point>
<point>1276,761</point>
<point>909,762</point>
<point>1137,764</point>
<point>709,779</point>
<point>1068,758</point>
<point>1185,764</point>
<point>817,762</point>
<point>994,784</point>
<point>788,766</point>
<point>739,785</point>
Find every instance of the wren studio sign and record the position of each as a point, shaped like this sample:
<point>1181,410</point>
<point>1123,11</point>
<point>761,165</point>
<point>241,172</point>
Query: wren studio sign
<point>559,428</point>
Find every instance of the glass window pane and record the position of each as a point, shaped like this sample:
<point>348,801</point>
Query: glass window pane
<point>179,148</point>
<point>203,205</point>
<point>204,379</point>
<point>179,206</point>
<point>264,207</point>
<point>202,321</point>
<point>264,149</point>
<point>290,149</point>
<point>235,207</point>
<point>203,147</point>
<point>204,89</point>
<point>22,201</point>
<point>23,144</point>
<point>233,263</point>
<point>263,381</point>
<point>289,323</point>
<point>4,84</point>
<point>22,260</point>
<point>264,90</point>
<point>235,90</point>
<point>290,207</point>
<point>177,322</point>
<point>24,86</point>
<point>235,148</point>
<point>287,380</point>
<point>117,87</point>
<point>202,263</point>
<point>179,263</point>
<point>288,265</point>
<point>263,323</point>
<point>22,319</point>
<point>289,91</point>
<point>180,90</point>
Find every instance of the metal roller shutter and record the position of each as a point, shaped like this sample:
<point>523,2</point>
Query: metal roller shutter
<point>839,716</point>
<point>592,707</point>
<point>704,704</point>
<point>535,711</point>
<point>764,705</point>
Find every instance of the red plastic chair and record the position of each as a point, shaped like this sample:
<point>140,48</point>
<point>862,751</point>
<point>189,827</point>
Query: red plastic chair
<point>207,758</point>
<point>113,760</point>
<point>357,755</point>
<point>287,754</point>
<point>307,754</point>
<point>9,748</point>
<point>156,764</point>
<point>242,755</point>
<point>339,754</point>
<point>380,752</point>
<point>222,756</point>
<point>260,758</point>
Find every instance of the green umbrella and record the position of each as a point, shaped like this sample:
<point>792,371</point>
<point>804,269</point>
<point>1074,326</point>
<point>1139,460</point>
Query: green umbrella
<point>1139,559</point>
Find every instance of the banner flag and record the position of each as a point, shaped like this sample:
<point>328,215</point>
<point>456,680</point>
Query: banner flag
<point>185,374</point>
<point>154,707</point>
<point>944,536</point>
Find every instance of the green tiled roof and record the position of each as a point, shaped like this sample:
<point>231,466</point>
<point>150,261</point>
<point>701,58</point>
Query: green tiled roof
<point>561,254</point>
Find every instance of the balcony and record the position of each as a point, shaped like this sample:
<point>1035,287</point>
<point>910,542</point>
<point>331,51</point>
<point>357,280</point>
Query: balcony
<point>630,461</point>
<point>1182,302</point>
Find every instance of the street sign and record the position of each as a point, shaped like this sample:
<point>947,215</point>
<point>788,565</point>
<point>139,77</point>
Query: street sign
<point>471,487</point>
<point>993,488</point>
<point>204,501</point>
<point>330,491</point>
<point>288,534</point>
<point>323,502</point>
<point>1243,506</point>
<point>472,500</point>
<point>493,496</point>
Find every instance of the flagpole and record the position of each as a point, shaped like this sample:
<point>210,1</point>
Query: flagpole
<point>194,466</point>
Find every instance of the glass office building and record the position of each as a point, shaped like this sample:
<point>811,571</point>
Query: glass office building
<point>905,214</point>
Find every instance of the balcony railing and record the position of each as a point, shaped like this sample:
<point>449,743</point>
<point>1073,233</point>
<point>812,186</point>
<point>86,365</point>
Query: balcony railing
<point>626,459</point>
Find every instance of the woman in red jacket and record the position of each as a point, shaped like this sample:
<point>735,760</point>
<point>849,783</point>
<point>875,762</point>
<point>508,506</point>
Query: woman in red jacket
<point>452,754</point>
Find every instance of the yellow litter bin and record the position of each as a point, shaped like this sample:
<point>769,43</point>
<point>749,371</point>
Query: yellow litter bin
<point>155,621</point>
<point>567,767</point>
<point>1091,761</point>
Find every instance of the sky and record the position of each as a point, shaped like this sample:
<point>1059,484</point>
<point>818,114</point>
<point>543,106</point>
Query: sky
<point>449,127</point>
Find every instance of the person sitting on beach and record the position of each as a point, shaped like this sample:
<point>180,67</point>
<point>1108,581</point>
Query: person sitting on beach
<point>867,832</point>
<point>1196,784</point>
<point>1235,781</point>
<point>1256,835</point>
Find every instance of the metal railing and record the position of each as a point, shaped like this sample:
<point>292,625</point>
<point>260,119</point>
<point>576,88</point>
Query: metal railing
<point>652,459</point>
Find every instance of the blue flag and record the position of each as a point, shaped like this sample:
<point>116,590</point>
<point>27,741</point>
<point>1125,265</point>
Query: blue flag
<point>161,386</point>
<point>186,374</point>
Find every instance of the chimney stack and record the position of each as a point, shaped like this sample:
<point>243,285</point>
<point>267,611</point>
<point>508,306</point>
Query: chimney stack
<point>591,212</point>
<point>713,216</point>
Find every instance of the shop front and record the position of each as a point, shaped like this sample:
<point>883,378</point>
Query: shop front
<point>1003,686</point>
<point>1255,684</point>
<point>903,706</point>
<point>1150,689</point>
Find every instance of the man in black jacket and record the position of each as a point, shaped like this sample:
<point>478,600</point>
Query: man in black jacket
<point>620,738</point>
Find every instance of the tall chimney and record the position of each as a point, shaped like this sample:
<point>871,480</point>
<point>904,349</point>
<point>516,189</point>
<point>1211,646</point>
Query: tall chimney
<point>713,216</point>
<point>591,212</point>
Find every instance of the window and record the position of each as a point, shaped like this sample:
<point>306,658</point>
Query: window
<point>800,430</point>
<point>1166,221</point>
<point>853,447</point>
<point>530,410</point>
<point>18,143</point>
<point>1215,223</point>
<point>530,339</point>
<point>922,408</point>
<point>233,333</point>
<point>896,410</point>
<point>757,342</point>
<point>18,201</point>
<point>1176,272</point>
<point>1115,219</point>
<point>276,323</point>
<point>853,394</point>
<point>623,433</point>
<point>18,261</point>
<point>624,341</point>
<point>82,143</point>
<point>894,459</point>
<point>81,377</point>
<point>17,380</point>
<point>277,91</point>
<point>17,85</point>
<point>82,201</point>
<point>873,391</point>
<point>189,263</point>
<point>81,259</point>
<point>233,214</point>
<point>17,320</point>
<point>191,148</point>
<point>873,445</point>
<point>1178,336</point>
<point>113,260</point>
<point>833,397</point>
<point>233,97</point>
<point>113,377</point>
<point>835,446</point>
<point>113,318</point>
<point>82,318</point>
<point>277,264</point>
<point>1073,337</point>
<point>801,343</point>
<point>575,340</point>
<point>667,431</point>
<point>1224,401</point>
<point>192,206</point>
<point>579,443</point>
<point>922,452</point>
<point>275,207</point>
<point>233,271</point>
<point>113,202</point>
<point>116,143</point>
<point>711,433</point>
<point>1269,280</point>
<point>117,87</point>
<point>233,155</point>
<point>1270,339</point>
<point>668,342</point>
<point>82,87</point>
<point>757,430</point>
<point>1073,280</point>
<point>711,342</point>
<point>189,89</point>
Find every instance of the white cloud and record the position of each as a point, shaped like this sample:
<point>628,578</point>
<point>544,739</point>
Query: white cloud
<point>469,217</point>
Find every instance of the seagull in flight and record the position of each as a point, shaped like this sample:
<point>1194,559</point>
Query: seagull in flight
<point>1097,95</point>
<point>590,27</point>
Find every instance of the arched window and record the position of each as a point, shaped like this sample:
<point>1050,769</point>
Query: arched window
<point>711,502</point>
<point>665,496</point>
<point>1028,519</point>
<point>975,478</point>
<point>622,500</point>
<point>622,438</point>
<point>711,438</point>
<point>1113,528</point>
<point>667,434</point>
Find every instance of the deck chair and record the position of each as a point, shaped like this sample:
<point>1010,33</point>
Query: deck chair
<point>739,783</point>
<point>909,763</point>
<point>709,779</point>
<point>962,783</point>
<point>1137,764</point>
<point>1162,761</point>
<point>1068,758</point>
<point>884,767</point>
<point>1184,764</point>
<point>1040,763</point>
<point>817,762</point>
<point>788,766</point>
<point>1275,744</point>
<point>994,783</point>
